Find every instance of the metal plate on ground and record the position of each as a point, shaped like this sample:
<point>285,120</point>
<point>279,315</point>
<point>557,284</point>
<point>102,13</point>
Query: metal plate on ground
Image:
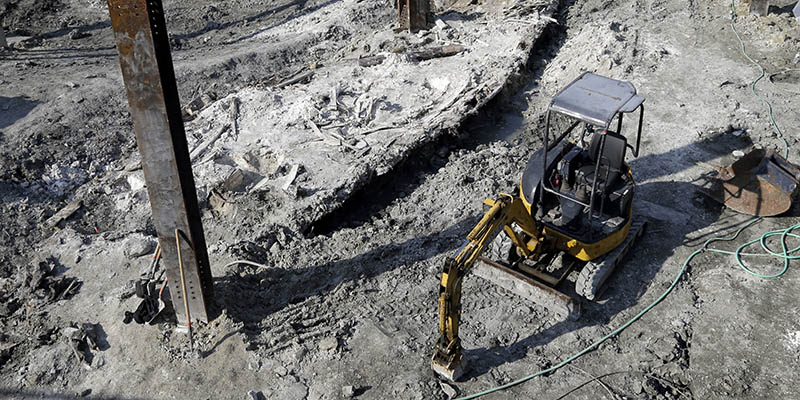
<point>514,281</point>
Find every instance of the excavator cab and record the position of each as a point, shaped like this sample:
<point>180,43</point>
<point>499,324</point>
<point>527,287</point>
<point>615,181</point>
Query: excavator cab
<point>594,178</point>
<point>570,221</point>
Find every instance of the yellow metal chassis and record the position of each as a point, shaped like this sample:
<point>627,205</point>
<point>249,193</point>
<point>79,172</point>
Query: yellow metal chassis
<point>530,238</point>
<point>574,247</point>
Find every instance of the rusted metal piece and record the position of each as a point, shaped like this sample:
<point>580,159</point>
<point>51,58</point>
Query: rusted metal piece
<point>760,183</point>
<point>146,63</point>
<point>413,14</point>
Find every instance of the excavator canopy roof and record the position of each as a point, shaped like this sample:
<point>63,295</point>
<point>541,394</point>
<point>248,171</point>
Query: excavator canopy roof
<point>596,99</point>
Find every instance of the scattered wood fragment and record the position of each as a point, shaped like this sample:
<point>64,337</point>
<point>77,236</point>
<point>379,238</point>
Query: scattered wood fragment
<point>391,142</point>
<point>419,55</point>
<point>364,107</point>
<point>461,5</point>
<point>7,347</point>
<point>371,61</point>
<point>330,125</point>
<point>235,115</point>
<point>203,146</point>
<point>64,213</point>
<point>133,166</point>
<point>498,88</point>
<point>550,19</point>
<point>319,133</point>
<point>382,128</point>
<point>334,103</point>
<point>291,177</point>
<point>260,185</point>
<point>364,152</point>
<point>325,136</point>
<point>198,104</point>
<point>297,79</point>
<point>436,52</point>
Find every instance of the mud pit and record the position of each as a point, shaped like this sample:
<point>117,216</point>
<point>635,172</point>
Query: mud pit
<point>355,242</point>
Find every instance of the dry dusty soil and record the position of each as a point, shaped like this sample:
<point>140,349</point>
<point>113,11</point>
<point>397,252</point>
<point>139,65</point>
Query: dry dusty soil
<point>352,186</point>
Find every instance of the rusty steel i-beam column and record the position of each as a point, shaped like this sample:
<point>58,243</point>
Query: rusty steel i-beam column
<point>146,63</point>
<point>413,14</point>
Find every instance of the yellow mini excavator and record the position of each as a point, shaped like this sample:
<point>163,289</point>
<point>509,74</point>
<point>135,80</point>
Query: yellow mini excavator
<point>571,219</point>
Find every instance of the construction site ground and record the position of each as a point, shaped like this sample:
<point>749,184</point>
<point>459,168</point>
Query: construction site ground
<point>352,184</point>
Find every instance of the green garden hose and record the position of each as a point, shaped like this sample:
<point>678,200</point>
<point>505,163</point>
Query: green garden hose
<point>755,82</point>
<point>785,254</point>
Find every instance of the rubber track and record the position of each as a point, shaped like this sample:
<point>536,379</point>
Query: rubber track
<point>592,277</point>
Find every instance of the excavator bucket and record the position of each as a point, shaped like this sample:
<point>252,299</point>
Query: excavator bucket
<point>760,183</point>
<point>450,370</point>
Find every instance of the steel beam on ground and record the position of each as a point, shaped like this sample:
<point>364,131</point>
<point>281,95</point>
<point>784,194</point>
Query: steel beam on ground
<point>146,63</point>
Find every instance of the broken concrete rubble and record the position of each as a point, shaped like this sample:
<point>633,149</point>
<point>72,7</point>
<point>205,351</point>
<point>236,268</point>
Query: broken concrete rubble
<point>759,7</point>
<point>47,282</point>
<point>328,344</point>
<point>76,34</point>
<point>448,390</point>
<point>138,246</point>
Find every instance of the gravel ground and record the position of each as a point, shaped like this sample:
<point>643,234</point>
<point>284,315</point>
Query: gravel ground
<point>345,304</point>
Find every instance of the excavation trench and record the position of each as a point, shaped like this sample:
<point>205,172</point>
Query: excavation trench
<point>481,126</point>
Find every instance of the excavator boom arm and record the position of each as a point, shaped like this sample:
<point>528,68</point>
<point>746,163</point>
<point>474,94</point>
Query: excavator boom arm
<point>447,359</point>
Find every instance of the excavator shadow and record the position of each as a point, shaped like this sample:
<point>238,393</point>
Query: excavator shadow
<point>251,295</point>
<point>15,108</point>
<point>254,295</point>
<point>678,215</point>
<point>624,288</point>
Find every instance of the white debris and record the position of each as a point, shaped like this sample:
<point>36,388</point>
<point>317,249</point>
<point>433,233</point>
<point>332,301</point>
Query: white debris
<point>348,391</point>
<point>328,343</point>
<point>138,246</point>
<point>290,178</point>
<point>135,182</point>
<point>796,12</point>
<point>439,84</point>
<point>448,390</point>
<point>441,24</point>
<point>792,341</point>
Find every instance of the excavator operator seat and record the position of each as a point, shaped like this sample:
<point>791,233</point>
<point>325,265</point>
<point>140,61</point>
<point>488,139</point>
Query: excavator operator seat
<point>610,161</point>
